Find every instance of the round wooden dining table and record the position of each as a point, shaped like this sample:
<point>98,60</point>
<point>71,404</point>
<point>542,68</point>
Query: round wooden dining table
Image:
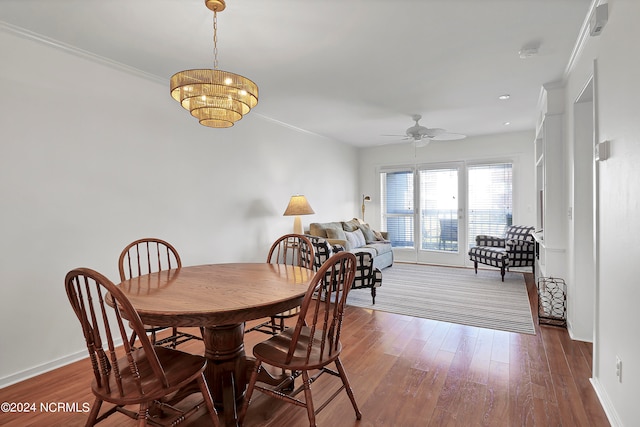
<point>219,298</point>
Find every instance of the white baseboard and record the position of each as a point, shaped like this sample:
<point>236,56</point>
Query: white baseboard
<point>41,369</point>
<point>49,366</point>
<point>609,410</point>
<point>575,337</point>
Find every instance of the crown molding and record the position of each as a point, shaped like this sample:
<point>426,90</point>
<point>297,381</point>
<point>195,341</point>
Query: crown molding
<point>288,126</point>
<point>583,36</point>
<point>39,38</point>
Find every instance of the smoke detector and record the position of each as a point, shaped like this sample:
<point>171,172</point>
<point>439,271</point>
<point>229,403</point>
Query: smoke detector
<point>528,52</point>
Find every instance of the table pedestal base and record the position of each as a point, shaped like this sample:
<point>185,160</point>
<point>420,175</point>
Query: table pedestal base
<point>226,371</point>
<point>229,368</point>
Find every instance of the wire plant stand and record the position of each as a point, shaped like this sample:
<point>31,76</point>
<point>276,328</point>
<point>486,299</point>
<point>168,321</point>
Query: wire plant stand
<point>552,301</point>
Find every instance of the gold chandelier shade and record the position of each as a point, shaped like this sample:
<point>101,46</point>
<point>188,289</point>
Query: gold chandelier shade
<point>216,98</point>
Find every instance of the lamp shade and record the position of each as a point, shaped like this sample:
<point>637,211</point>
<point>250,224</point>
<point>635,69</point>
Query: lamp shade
<point>298,205</point>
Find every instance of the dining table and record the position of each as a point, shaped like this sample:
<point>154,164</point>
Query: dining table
<point>219,298</point>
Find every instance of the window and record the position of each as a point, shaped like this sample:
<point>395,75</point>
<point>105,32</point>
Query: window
<point>490,199</point>
<point>424,205</point>
<point>397,207</point>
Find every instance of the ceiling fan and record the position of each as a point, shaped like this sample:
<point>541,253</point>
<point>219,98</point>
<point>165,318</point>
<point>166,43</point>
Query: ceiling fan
<point>421,135</point>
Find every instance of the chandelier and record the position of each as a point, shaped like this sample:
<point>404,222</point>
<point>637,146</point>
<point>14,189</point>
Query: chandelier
<point>216,98</point>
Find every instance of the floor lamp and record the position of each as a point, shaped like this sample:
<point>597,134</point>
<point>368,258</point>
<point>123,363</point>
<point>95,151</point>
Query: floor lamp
<point>298,205</point>
<point>364,199</point>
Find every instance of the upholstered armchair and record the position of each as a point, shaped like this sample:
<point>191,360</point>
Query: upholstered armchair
<point>515,249</point>
<point>367,276</point>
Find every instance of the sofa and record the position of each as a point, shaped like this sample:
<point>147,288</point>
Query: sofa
<point>356,236</point>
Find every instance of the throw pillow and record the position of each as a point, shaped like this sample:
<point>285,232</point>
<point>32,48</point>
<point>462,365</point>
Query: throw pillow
<point>352,240</point>
<point>379,235</point>
<point>335,233</point>
<point>355,238</point>
<point>360,237</point>
<point>351,225</point>
<point>368,233</point>
<point>316,229</point>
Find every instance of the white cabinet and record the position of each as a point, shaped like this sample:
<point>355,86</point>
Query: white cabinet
<point>550,199</point>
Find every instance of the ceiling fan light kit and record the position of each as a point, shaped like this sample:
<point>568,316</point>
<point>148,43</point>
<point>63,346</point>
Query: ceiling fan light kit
<point>216,98</point>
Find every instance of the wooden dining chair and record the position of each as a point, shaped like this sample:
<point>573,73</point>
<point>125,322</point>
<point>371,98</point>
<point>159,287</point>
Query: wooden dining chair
<point>314,343</point>
<point>150,255</point>
<point>290,249</point>
<point>153,377</point>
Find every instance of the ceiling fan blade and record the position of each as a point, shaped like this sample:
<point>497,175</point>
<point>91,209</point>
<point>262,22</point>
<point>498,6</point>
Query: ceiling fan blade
<point>448,136</point>
<point>432,132</point>
<point>393,142</point>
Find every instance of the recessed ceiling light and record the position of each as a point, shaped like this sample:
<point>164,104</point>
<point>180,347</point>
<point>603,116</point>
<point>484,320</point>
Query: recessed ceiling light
<point>505,96</point>
<point>506,123</point>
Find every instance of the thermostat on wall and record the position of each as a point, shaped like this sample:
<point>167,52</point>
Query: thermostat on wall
<point>598,19</point>
<point>602,151</point>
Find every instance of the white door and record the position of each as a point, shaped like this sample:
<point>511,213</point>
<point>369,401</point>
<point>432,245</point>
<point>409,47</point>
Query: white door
<point>440,218</point>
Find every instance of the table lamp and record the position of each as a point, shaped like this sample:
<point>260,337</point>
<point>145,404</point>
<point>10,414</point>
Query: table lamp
<point>298,205</point>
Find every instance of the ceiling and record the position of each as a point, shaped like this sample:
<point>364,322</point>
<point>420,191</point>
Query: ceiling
<point>350,70</point>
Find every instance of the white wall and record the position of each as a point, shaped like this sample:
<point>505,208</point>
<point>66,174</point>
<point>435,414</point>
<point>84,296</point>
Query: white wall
<point>617,92</point>
<point>580,247</point>
<point>516,147</point>
<point>92,157</point>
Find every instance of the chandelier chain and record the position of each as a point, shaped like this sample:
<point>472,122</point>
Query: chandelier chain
<point>215,40</point>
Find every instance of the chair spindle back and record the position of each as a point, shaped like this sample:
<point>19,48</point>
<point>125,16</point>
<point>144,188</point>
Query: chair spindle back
<point>148,255</point>
<point>323,305</point>
<point>100,307</point>
<point>292,249</point>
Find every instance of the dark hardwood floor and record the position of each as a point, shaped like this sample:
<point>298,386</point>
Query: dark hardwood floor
<point>404,371</point>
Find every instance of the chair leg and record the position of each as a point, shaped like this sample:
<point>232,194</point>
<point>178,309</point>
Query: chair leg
<point>273,326</point>
<point>347,387</point>
<point>281,326</point>
<point>502,272</point>
<point>475,266</point>
<point>373,295</point>
<point>249,392</point>
<point>308,400</point>
<point>95,409</point>
<point>132,340</point>
<point>143,414</point>
<point>174,331</point>
<point>208,400</point>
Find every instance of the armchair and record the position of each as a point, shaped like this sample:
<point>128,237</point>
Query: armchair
<point>515,249</point>
<point>367,276</point>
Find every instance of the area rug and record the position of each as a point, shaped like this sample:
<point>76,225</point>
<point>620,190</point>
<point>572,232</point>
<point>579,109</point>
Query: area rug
<point>455,295</point>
